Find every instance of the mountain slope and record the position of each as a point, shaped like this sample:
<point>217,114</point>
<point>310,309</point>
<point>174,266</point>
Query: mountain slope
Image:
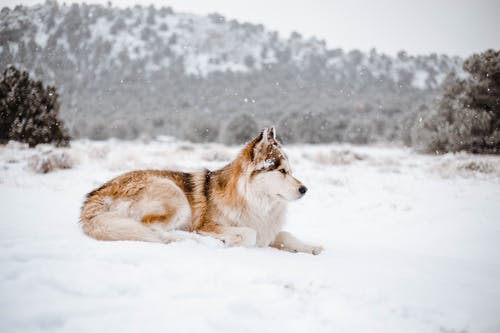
<point>171,72</point>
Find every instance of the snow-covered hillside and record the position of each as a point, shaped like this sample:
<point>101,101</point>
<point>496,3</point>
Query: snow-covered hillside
<point>108,37</point>
<point>166,72</point>
<point>411,243</point>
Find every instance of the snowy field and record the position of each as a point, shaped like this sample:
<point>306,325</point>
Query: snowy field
<point>412,244</point>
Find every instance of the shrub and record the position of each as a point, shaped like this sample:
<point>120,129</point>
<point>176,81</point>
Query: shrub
<point>203,129</point>
<point>51,161</point>
<point>29,112</point>
<point>239,129</point>
<point>308,127</point>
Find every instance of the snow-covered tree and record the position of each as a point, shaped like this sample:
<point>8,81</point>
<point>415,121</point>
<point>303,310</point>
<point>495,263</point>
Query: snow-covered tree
<point>467,116</point>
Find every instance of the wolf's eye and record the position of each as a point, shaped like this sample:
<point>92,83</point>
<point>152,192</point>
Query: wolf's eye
<point>283,171</point>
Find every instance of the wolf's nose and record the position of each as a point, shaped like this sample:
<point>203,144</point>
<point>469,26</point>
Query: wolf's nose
<point>302,189</point>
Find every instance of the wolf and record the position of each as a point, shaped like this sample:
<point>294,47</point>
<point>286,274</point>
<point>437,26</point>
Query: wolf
<point>241,204</point>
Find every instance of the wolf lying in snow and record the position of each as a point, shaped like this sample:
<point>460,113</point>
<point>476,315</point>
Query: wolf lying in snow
<point>242,204</point>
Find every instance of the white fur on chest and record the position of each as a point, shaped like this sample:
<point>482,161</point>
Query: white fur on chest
<point>265,217</point>
<point>268,225</point>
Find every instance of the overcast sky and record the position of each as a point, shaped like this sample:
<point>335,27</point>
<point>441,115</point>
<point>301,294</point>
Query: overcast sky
<point>455,27</point>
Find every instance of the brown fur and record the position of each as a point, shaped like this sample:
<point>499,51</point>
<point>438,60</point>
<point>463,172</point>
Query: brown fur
<point>134,186</point>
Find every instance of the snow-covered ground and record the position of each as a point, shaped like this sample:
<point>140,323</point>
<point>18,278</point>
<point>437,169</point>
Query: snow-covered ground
<point>412,244</point>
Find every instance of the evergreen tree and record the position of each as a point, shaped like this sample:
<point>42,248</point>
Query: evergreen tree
<point>29,112</point>
<point>468,111</point>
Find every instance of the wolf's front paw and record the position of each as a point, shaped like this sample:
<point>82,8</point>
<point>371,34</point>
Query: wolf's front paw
<point>312,249</point>
<point>317,250</point>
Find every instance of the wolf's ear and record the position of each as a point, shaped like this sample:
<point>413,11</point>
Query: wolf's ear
<point>272,137</point>
<point>263,136</point>
<point>258,145</point>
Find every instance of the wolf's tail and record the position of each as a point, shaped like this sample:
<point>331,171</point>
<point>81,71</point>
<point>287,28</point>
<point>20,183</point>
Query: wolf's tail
<point>100,223</point>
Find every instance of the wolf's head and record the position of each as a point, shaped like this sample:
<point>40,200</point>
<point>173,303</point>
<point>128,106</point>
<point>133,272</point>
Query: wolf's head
<point>269,169</point>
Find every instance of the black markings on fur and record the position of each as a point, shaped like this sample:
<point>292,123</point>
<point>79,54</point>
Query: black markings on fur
<point>187,180</point>
<point>273,166</point>
<point>206,185</point>
<point>94,192</point>
<point>261,136</point>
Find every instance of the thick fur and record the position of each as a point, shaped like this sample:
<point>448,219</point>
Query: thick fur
<point>242,204</point>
